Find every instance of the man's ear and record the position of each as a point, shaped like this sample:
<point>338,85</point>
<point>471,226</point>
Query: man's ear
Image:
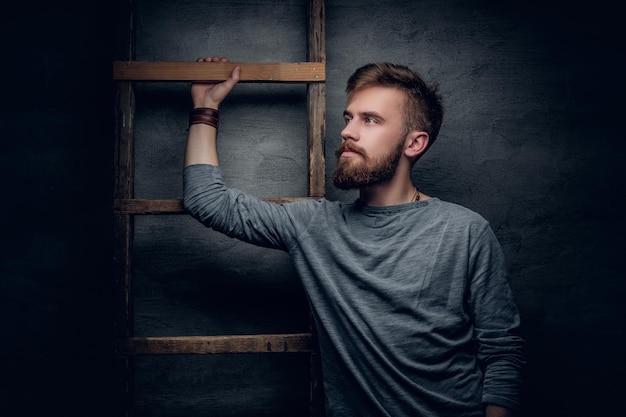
<point>417,142</point>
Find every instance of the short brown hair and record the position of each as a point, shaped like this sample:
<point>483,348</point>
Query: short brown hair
<point>423,110</point>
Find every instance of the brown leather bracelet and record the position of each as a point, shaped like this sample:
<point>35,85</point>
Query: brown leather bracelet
<point>206,110</point>
<point>203,119</point>
<point>204,115</point>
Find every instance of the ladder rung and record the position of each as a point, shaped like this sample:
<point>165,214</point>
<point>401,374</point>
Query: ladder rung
<point>172,206</point>
<point>145,206</point>
<point>184,345</point>
<point>275,72</point>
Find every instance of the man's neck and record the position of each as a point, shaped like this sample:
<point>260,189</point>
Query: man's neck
<point>390,193</point>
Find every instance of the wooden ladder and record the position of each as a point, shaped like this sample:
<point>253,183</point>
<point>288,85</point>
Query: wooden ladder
<point>126,71</point>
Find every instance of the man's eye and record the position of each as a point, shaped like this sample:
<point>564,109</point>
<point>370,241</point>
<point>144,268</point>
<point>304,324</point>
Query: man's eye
<point>346,120</point>
<point>370,120</point>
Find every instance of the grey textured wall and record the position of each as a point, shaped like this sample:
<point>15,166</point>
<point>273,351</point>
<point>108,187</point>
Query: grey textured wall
<point>532,140</point>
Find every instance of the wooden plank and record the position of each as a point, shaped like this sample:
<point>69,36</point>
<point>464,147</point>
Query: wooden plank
<point>146,206</point>
<point>185,345</point>
<point>172,206</point>
<point>266,72</point>
<point>316,100</point>
<point>123,187</point>
<point>316,35</point>
<point>316,131</point>
<point>316,137</point>
<point>123,224</point>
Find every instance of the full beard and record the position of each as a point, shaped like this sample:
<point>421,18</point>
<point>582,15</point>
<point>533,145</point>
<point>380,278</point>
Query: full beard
<point>351,173</point>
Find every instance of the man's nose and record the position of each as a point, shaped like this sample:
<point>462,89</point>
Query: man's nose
<point>349,132</point>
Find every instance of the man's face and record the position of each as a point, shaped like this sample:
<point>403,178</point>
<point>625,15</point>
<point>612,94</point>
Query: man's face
<point>373,139</point>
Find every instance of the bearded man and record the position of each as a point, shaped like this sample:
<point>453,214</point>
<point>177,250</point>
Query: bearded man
<point>409,293</point>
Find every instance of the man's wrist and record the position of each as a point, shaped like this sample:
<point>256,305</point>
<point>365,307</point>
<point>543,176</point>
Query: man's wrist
<point>206,105</point>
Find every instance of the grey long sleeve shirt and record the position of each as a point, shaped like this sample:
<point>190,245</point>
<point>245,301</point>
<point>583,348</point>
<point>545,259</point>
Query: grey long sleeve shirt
<point>411,302</point>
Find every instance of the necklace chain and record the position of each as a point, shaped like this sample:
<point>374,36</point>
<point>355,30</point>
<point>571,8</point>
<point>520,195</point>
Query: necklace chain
<point>416,196</point>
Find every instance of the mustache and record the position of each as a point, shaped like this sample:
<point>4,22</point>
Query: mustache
<point>348,146</point>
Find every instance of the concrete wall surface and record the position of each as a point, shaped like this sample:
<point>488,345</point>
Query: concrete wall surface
<point>532,140</point>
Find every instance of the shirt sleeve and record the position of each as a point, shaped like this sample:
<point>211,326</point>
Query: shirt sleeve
<point>240,215</point>
<point>496,320</point>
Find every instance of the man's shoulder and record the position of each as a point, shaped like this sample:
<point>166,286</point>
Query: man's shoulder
<point>457,212</point>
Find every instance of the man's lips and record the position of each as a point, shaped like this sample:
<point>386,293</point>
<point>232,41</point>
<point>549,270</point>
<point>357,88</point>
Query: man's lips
<point>348,153</point>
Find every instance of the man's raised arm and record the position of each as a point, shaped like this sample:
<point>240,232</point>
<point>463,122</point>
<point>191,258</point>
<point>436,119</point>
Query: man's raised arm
<point>204,118</point>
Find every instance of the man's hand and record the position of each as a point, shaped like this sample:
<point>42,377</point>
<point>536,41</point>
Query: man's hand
<point>493,410</point>
<point>211,95</point>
